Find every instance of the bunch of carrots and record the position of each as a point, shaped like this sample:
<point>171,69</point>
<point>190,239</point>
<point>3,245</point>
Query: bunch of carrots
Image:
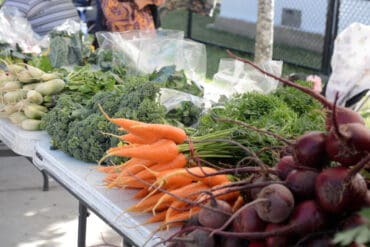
<point>170,184</point>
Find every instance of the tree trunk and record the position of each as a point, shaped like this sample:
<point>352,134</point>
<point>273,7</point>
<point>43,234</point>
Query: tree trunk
<point>264,31</point>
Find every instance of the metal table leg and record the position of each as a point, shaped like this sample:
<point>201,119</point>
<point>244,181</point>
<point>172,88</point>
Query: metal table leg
<point>45,177</point>
<point>82,218</point>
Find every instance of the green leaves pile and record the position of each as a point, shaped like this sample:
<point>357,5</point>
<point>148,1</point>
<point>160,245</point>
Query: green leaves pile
<point>288,113</point>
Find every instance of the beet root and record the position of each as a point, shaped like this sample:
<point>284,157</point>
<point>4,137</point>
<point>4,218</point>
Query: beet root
<point>302,183</point>
<point>309,150</point>
<point>217,217</point>
<point>279,204</point>
<point>336,195</point>
<point>197,238</point>
<point>339,151</point>
<point>308,217</point>
<point>285,166</point>
<point>248,221</point>
<point>278,241</point>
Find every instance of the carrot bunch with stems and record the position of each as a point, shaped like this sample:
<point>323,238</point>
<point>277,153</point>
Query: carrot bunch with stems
<point>161,167</point>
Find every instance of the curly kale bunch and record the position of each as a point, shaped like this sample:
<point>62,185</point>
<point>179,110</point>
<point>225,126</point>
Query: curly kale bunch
<point>57,121</point>
<point>86,139</point>
<point>136,100</point>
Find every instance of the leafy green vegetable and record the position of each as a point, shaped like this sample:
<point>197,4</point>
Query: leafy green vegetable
<point>187,114</point>
<point>88,82</point>
<point>68,49</point>
<point>285,113</point>
<point>170,78</point>
<point>57,121</point>
<point>86,141</point>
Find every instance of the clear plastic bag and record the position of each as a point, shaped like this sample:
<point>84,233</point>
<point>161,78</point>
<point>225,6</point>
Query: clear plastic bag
<point>143,52</point>
<point>235,77</point>
<point>16,30</point>
<point>181,107</point>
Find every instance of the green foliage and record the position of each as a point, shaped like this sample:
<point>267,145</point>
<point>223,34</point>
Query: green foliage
<point>57,121</point>
<point>298,101</point>
<point>282,113</point>
<point>86,141</point>
<point>41,62</point>
<point>68,49</point>
<point>186,113</point>
<point>88,82</point>
<point>168,77</point>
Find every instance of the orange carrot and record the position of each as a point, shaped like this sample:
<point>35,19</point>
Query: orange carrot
<point>167,199</point>
<point>125,124</point>
<point>146,204</point>
<point>159,131</point>
<point>131,138</point>
<point>176,212</point>
<point>238,203</point>
<point>193,173</point>
<point>161,151</point>
<point>145,177</point>
<point>179,162</point>
<point>141,193</point>
<point>157,218</point>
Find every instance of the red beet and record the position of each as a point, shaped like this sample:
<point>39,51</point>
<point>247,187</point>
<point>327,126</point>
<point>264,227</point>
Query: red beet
<point>279,205</point>
<point>308,217</point>
<point>199,238</point>
<point>338,151</point>
<point>302,183</point>
<point>336,195</point>
<point>215,218</point>
<point>248,221</point>
<point>285,166</point>
<point>253,193</point>
<point>257,244</point>
<point>279,241</point>
<point>309,150</point>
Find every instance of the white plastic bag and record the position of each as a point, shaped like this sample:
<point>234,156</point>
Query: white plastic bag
<point>16,30</point>
<point>350,64</point>
<point>235,77</point>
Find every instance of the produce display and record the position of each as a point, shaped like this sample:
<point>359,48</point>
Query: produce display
<point>283,169</point>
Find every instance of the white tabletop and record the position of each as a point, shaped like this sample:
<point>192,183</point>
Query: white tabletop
<point>87,184</point>
<point>18,140</point>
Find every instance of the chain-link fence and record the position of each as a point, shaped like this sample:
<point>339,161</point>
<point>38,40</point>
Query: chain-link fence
<point>304,30</point>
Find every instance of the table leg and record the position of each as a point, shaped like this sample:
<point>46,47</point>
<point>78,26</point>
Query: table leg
<point>45,177</point>
<point>82,218</point>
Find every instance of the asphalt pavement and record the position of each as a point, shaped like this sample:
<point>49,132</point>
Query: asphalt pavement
<point>30,217</point>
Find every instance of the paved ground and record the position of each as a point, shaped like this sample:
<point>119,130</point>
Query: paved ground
<point>30,217</point>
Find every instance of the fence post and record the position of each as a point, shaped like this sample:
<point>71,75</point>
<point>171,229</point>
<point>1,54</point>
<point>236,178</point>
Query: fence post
<point>331,30</point>
<point>189,25</point>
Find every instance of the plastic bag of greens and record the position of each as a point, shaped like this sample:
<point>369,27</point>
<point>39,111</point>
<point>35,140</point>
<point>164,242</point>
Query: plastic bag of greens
<point>143,52</point>
<point>181,107</point>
